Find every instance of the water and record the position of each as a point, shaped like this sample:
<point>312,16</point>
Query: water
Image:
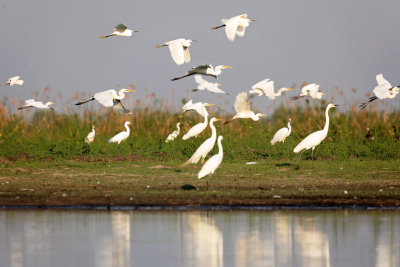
<point>200,238</point>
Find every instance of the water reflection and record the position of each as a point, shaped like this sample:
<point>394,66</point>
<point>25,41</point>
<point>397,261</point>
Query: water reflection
<point>200,238</point>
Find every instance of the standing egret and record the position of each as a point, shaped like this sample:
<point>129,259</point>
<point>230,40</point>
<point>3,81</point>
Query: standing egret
<point>383,90</point>
<point>90,137</point>
<point>179,50</point>
<point>206,85</point>
<point>16,80</point>
<point>205,147</point>
<point>242,108</point>
<point>315,138</point>
<point>120,30</point>
<point>205,69</point>
<point>212,163</point>
<point>266,87</point>
<point>310,90</point>
<point>282,134</point>
<point>197,129</point>
<point>31,103</point>
<point>174,134</point>
<point>110,98</point>
<point>199,107</point>
<point>235,26</point>
<point>118,138</point>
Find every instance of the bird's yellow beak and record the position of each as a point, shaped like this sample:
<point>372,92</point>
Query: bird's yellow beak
<point>158,46</point>
<point>323,94</point>
<point>102,36</point>
<point>263,115</point>
<point>208,104</point>
<point>51,103</point>
<point>217,119</point>
<point>227,67</point>
<point>3,84</point>
<point>130,90</point>
<point>219,84</point>
<point>289,89</point>
<point>213,28</point>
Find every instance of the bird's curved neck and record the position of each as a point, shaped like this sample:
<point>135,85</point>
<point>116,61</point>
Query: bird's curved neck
<point>127,128</point>
<point>220,149</point>
<point>326,127</point>
<point>213,130</point>
<point>178,127</point>
<point>121,94</point>
<point>289,127</point>
<point>279,92</point>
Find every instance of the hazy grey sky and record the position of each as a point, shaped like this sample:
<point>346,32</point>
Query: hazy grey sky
<point>56,43</point>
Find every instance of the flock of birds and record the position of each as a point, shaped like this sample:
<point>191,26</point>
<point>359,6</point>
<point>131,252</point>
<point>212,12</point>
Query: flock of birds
<point>179,50</point>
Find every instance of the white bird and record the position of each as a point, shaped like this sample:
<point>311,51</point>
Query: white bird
<point>174,134</point>
<point>206,146</point>
<point>90,137</point>
<point>16,80</point>
<point>266,87</point>
<point>383,90</point>
<point>212,163</point>
<point>282,134</point>
<point>179,50</point>
<point>197,129</point>
<point>199,107</point>
<point>310,90</point>
<point>315,138</point>
<point>110,98</point>
<point>235,26</point>
<point>120,30</point>
<point>31,103</point>
<point>205,69</point>
<point>242,108</point>
<point>206,85</point>
<point>118,138</point>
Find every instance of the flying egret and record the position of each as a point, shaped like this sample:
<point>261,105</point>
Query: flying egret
<point>118,138</point>
<point>205,147</point>
<point>212,163</point>
<point>235,26</point>
<point>179,50</point>
<point>174,134</point>
<point>383,90</point>
<point>206,85</point>
<point>205,69</point>
<point>110,98</point>
<point>197,129</point>
<point>199,107</point>
<point>120,30</point>
<point>282,134</point>
<point>310,90</point>
<point>266,87</point>
<point>315,138</point>
<point>31,103</point>
<point>242,108</point>
<point>16,80</point>
<point>90,137</point>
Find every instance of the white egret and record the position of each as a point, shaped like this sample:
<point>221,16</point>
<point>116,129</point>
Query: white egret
<point>174,134</point>
<point>383,90</point>
<point>206,85</point>
<point>205,147</point>
<point>315,138</point>
<point>199,107</point>
<point>179,50</point>
<point>90,137</point>
<point>212,163</point>
<point>266,87</point>
<point>31,103</point>
<point>16,80</point>
<point>118,138</point>
<point>120,30</point>
<point>110,98</point>
<point>197,129</point>
<point>242,108</point>
<point>282,134</point>
<point>310,90</point>
<point>206,69</point>
<point>235,26</point>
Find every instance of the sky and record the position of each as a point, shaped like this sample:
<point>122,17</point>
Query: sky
<point>332,43</point>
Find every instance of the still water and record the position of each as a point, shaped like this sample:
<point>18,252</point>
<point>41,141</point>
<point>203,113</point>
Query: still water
<point>200,238</point>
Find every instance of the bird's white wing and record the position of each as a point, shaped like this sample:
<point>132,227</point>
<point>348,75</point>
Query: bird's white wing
<point>212,87</point>
<point>29,101</point>
<point>305,90</point>
<point>279,135</point>
<point>269,90</point>
<point>186,54</point>
<point>382,89</point>
<point>242,103</point>
<point>260,84</point>
<point>231,26</point>
<point>240,31</point>
<point>187,105</point>
<point>199,79</point>
<point>381,81</point>
<point>210,166</point>
<point>119,137</point>
<point>105,98</point>
<point>177,53</point>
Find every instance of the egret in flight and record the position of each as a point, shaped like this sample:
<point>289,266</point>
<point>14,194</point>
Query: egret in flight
<point>199,107</point>
<point>383,90</point>
<point>266,87</point>
<point>16,80</point>
<point>197,129</point>
<point>310,90</point>
<point>212,163</point>
<point>90,137</point>
<point>110,98</point>
<point>242,108</point>
<point>282,134</point>
<point>31,103</point>
<point>314,139</point>
<point>118,138</point>
<point>206,69</point>
<point>235,26</point>
<point>206,85</point>
<point>179,50</point>
<point>174,134</point>
<point>205,147</point>
<point>120,30</point>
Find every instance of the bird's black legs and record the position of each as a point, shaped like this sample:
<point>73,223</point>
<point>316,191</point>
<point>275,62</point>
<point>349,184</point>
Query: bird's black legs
<point>312,156</point>
<point>298,165</point>
<point>83,102</point>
